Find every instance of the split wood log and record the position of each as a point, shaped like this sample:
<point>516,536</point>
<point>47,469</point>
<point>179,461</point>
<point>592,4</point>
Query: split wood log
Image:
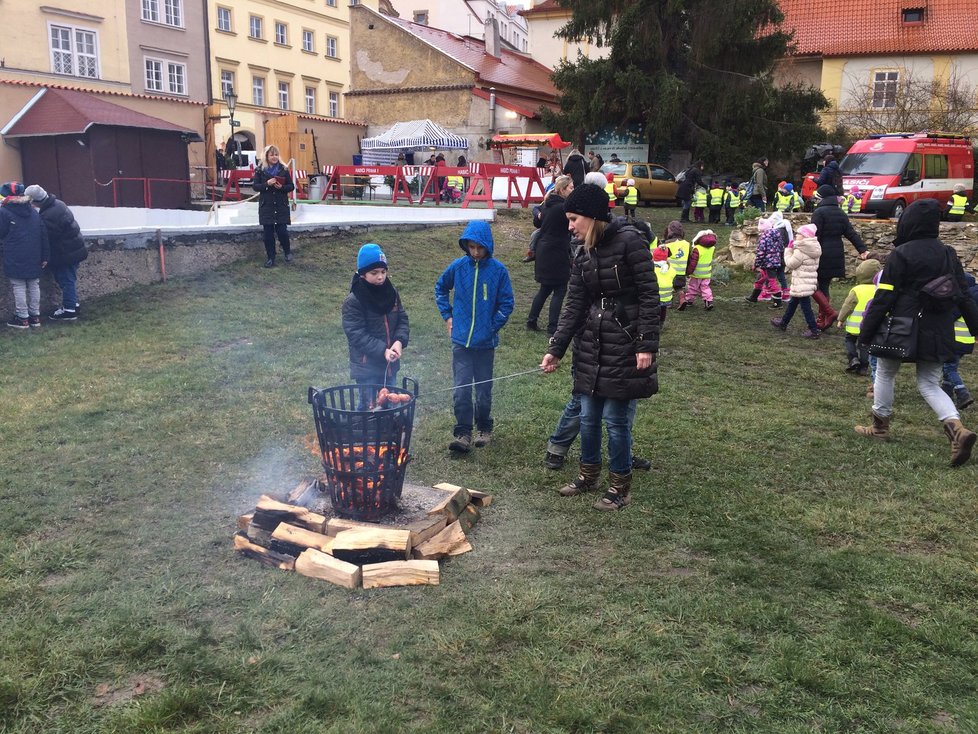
<point>258,535</point>
<point>400,573</point>
<point>422,530</point>
<point>319,565</point>
<point>443,543</point>
<point>337,525</point>
<point>304,493</point>
<point>270,512</point>
<point>245,520</point>
<point>452,505</point>
<point>469,517</point>
<point>479,499</point>
<point>372,545</point>
<point>302,538</point>
<point>267,557</point>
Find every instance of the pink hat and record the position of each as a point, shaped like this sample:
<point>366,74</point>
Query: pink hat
<point>807,230</point>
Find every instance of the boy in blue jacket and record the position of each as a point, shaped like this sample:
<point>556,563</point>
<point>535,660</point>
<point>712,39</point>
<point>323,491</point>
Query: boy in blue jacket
<point>482,303</point>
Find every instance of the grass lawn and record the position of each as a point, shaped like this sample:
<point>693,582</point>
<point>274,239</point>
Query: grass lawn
<point>775,573</point>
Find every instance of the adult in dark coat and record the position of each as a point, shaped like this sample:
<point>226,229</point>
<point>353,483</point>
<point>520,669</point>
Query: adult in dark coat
<point>67,248</point>
<point>831,175</point>
<point>552,262</point>
<point>614,296</point>
<point>273,182</point>
<point>919,258</point>
<point>576,167</point>
<point>692,179</point>
<point>832,225</point>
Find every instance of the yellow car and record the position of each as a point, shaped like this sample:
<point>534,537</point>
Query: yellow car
<point>655,183</point>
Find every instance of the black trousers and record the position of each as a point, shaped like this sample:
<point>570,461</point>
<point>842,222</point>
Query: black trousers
<point>556,303</point>
<point>282,230</point>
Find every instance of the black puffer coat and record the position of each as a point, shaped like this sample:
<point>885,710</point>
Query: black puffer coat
<point>64,234</point>
<point>919,258</point>
<point>552,264</point>
<point>273,203</point>
<point>614,295</point>
<point>369,331</point>
<point>576,167</point>
<point>832,225</point>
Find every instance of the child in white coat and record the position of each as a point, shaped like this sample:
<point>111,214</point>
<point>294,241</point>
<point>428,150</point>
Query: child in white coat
<point>801,260</point>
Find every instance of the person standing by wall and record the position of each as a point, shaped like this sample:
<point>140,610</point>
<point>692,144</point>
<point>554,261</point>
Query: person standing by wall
<point>273,182</point>
<point>25,253</point>
<point>757,184</point>
<point>67,249</point>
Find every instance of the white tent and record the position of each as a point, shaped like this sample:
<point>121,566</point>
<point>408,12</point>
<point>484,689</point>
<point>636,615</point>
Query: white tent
<point>409,136</point>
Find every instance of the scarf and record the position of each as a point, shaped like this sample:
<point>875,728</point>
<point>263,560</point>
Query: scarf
<point>377,298</point>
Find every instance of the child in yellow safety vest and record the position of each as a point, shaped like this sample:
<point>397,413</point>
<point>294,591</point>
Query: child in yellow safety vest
<point>700,201</point>
<point>957,205</point>
<point>699,270</point>
<point>733,201</point>
<point>631,198</point>
<point>677,246</point>
<point>964,342</point>
<point>666,278</point>
<point>786,200</point>
<point>852,203</point>
<point>611,190</point>
<point>716,195</point>
<point>851,315</point>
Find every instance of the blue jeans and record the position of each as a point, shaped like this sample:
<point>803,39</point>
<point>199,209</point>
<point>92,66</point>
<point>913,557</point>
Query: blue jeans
<point>66,277</point>
<point>951,375</point>
<point>806,308</point>
<point>618,416</point>
<point>757,202</point>
<point>472,366</point>
<point>568,426</point>
<point>387,378</point>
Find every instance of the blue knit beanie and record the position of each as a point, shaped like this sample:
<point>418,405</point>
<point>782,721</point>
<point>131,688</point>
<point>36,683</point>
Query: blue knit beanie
<point>370,257</point>
<point>12,188</point>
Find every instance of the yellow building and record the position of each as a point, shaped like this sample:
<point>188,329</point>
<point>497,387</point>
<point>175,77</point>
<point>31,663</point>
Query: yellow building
<point>544,18</point>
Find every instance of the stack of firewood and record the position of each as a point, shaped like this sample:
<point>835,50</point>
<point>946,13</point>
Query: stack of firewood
<point>288,535</point>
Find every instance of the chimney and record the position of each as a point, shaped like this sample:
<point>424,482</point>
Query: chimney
<point>492,38</point>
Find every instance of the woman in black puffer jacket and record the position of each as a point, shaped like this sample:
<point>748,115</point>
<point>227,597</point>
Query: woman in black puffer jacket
<point>832,225</point>
<point>552,262</point>
<point>614,296</point>
<point>919,258</point>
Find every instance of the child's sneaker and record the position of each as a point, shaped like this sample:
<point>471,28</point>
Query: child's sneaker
<point>482,439</point>
<point>683,305</point>
<point>709,305</point>
<point>775,302</point>
<point>962,398</point>
<point>34,321</point>
<point>853,365</point>
<point>554,461</point>
<point>461,444</point>
<point>63,314</point>
<point>18,323</point>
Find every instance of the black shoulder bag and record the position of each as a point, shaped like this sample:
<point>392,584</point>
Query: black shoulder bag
<point>896,338</point>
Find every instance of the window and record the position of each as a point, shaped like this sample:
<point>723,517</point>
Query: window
<point>258,91</point>
<point>421,17</point>
<point>885,89</point>
<point>640,172</point>
<point>227,83</point>
<point>310,100</point>
<point>913,15</point>
<point>224,19</point>
<point>283,95</point>
<point>935,166</point>
<point>912,172</point>
<point>174,81</point>
<point>334,104</point>
<point>74,51</point>
<point>154,75</point>
<point>308,40</point>
<point>255,27</point>
<point>331,42</point>
<point>172,11</point>
<point>281,34</point>
<point>177,76</point>
<point>331,3</point>
<point>354,2</point>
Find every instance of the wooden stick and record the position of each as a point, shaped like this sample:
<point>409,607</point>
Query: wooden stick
<point>319,565</point>
<point>400,573</point>
<point>304,493</point>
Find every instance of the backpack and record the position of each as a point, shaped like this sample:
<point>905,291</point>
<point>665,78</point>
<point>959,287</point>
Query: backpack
<point>749,189</point>
<point>682,176</point>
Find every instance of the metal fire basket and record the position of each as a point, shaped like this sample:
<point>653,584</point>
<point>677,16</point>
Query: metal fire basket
<point>364,450</point>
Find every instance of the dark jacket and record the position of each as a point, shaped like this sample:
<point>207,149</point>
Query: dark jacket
<point>576,167</point>
<point>273,203</point>
<point>832,225</point>
<point>692,179</point>
<point>919,258</point>
<point>23,237</point>
<point>614,295</point>
<point>831,175</point>
<point>64,234</point>
<point>552,264</point>
<point>369,332</point>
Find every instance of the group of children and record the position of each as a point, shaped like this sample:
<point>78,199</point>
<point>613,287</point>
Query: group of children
<point>718,199</point>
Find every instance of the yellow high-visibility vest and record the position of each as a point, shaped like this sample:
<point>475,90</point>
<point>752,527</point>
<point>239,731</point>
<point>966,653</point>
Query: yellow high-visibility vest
<point>456,181</point>
<point>609,189</point>
<point>864,294</point>
<point>704,266</point>
<point>958,203</point>
<point>631,196</point>
<point>735,199</point>
<point>961,333</point>
<point>678,255</point>
<point>699,198</point>
<point>783,202</point>
<point>665,276</point>
<point>716,197</point>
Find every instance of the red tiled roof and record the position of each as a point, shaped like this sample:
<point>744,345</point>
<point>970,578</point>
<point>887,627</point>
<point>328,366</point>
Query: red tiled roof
<point>510,70</point>
<point>547,6</point>
<point>64,111</point>
<point>861,27</point>
<point>115,93</point>
<point>520,105</point>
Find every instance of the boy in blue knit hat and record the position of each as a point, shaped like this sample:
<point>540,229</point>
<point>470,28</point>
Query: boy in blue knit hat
<point>481,306</point>
<point>375,323</point>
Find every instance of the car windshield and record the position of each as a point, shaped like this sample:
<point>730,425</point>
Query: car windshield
<point>617,169</point>
<point>873,164</point>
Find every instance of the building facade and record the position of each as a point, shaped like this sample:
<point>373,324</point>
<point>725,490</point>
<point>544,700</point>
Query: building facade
<point>544,18</point>
<point>468,18</point>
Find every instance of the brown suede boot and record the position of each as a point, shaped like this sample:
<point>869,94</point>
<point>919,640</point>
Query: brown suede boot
<point>585,482</point>
<point>617,496</point>
<point>880,428</point>
<point>962,441</point>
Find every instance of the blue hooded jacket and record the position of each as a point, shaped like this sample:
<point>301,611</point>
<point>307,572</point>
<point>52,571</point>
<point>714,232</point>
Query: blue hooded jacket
<point>483,299</point>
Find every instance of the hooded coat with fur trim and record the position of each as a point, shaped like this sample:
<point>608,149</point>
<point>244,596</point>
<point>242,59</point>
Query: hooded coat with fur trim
<point>801,260</point>
<point>920,257</point>
<point>614,295</point>
<point>24,239</point>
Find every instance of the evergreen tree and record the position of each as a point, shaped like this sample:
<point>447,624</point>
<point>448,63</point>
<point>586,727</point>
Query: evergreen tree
<point>697,73</point>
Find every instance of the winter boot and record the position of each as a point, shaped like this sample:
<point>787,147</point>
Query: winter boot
<point>585,482</point>
<point>962,398</point>
<point>775,302</point>
<point>778,324</point>
<point>752,298</point>
<point>962,441</point>
<point>880,428</point>
<point>826,314</point>
<point>617,496</point>
<point>853,365</point>
<point>708,305</point>
<point>948,389</point>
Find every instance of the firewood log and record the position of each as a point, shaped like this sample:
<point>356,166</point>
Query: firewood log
<point>400,573</point>
<point>372,545</point>
<point>269,513</point>
<point>302,538</point>
<point>319,565</point>
<point>479,499</point>
<point>441,544</point>
<point>267,557</point>
<point>452,505</point>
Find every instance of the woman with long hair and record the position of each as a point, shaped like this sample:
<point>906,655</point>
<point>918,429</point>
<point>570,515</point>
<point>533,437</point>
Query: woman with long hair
<point>552,259</point>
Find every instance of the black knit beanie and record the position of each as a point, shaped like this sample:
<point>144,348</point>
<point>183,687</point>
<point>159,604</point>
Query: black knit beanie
<point>590,201</point>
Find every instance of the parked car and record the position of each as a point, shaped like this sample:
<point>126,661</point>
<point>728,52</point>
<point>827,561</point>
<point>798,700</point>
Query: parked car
<point>655,183</point>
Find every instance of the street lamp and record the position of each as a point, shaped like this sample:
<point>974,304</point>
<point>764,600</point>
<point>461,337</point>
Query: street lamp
<point>232,101</point>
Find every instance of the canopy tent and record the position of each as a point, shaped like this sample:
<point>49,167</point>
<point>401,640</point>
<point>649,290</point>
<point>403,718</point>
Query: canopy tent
<point>530,140</point>
<point>409,136</point>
